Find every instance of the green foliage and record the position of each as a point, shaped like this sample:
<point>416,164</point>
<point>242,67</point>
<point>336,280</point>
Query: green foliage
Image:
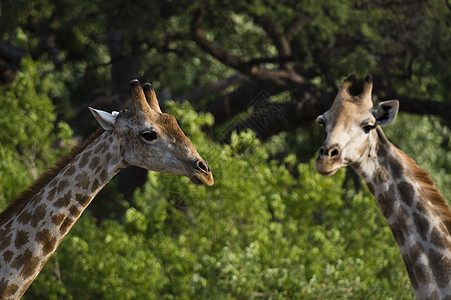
<point>258,232</point>
<point>30,137</point>
<point>270,227</point>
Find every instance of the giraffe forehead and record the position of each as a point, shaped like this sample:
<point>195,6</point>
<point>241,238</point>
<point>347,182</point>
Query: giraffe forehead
<point>169,125</point>
<point>150,119</point>
<point>348,112</point>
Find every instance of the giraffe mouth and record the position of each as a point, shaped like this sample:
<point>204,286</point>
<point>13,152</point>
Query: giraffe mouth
<point>325,169</point>
<point>201,178</point>
<point>327,173</point>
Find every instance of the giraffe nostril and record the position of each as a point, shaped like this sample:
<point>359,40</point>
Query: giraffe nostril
<point>331,152</point>
<point>202,166</point>
<point>334,152</point>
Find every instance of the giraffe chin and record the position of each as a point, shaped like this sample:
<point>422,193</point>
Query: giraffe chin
<point>325,172</point>
<point>201,179</point>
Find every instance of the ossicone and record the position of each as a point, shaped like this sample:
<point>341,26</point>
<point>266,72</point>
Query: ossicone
<point>144,97</point>
<point>367,87</point>
<point>151,97</point>
<point>343,90</point>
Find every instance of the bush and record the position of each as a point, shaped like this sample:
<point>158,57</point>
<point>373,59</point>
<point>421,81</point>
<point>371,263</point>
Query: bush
<point>30,137</point>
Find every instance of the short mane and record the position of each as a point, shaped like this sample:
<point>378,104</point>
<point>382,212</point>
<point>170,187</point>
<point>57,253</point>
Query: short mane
<point>428,185</point>
<point>45,178</point>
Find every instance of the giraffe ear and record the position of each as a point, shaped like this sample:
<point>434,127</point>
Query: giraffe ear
<point>105,119</point>
<point>387,112</point>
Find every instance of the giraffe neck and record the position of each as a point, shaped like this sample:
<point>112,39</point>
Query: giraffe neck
<point>416,213</point>
<point>32,227</point>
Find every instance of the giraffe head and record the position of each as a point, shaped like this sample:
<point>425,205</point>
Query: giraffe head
<point>153,140</point>
<point>349,125</point>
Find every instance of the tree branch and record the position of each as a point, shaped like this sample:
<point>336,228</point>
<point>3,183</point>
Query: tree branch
<point>296,27</point>
<point>280,41</point>
<point>276,76</point>
<point>215,51</point>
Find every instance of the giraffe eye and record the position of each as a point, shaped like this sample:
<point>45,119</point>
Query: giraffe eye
<point>367,128</point>
<point>149,135</point>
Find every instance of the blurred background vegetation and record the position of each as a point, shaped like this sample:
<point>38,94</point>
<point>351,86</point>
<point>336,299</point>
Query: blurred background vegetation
<point>246,80</point>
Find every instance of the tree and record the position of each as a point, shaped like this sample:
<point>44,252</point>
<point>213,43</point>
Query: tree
<point>30,137</point>
<point>270,227</point>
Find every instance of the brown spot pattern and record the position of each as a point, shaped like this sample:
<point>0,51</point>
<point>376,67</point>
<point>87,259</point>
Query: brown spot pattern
<point>103,175</point>
<point>94,163</point>
<point>57,219</point>
<point>438,238</point>
<point>82,180</point>
<point>441,267</point>
<point>404,220</point>
<point>396,168</point>
<point>31,266</point>
<point>422,225</point>
<point>51,193</point>
<point>38,215</point>
<point>381,151</point>
<point>7,255</point>
<point>99,168</point>
<point>95,185</point>
<point>102,147</point>
<point>398,234</point>
<point>84,159</point>
<point>21,238</point>
<point>63,200</point>
<point>8,225</point>
<point>74,211</point>
<point>386,203</point>
<point>66,225</point>
<point>24,217</point>
<point>62,185</point>
<point>5,242</point>
<point>70,171</point>
<point>406,192</point>
<point>82,199</point>
<point>47,241</point>
<point>421,273</point>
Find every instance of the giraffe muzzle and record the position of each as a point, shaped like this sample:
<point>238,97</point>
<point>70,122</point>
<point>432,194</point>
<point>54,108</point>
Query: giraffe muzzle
<point>201,173</point>
<point>329,160</point>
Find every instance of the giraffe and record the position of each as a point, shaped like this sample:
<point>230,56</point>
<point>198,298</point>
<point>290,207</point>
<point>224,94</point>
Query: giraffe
<point>33,226</point>
<point>417,213</point>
